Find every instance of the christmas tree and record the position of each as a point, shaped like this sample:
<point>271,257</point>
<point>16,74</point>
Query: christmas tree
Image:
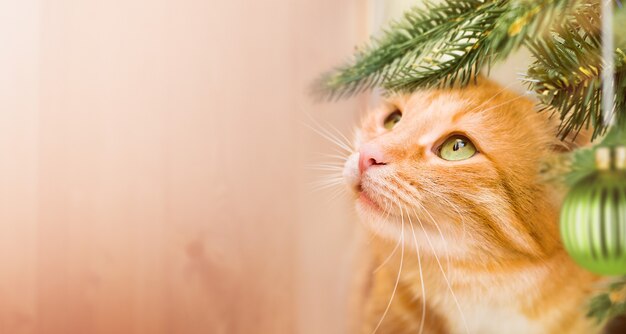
<point>578,73</point>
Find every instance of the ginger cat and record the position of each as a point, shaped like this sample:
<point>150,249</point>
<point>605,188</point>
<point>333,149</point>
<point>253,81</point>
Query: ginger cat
<point>465,228</point>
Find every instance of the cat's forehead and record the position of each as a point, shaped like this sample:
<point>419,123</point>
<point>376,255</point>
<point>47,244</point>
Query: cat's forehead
<point>424,109</point>
<point>431,104</point>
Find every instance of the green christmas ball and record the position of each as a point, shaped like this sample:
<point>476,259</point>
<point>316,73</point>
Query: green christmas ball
<point>593,222</point>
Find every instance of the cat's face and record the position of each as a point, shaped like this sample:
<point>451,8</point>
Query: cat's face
<point>459,168</point>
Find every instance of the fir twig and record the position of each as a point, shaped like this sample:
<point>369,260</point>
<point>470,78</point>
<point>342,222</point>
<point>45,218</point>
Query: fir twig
<point>490,36</point>
<point>444,44</point>
<point>610,303</point>
<point>567,73</point>
<point>400,45</point>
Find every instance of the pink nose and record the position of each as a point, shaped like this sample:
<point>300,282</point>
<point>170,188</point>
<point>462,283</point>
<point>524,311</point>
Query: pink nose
<point>370,155</point>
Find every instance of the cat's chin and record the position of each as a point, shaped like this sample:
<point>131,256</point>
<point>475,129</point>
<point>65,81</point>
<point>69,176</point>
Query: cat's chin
<point>367,204</point>
<point>378,220</point>
<point>381,225</point>
<point>391,226</point>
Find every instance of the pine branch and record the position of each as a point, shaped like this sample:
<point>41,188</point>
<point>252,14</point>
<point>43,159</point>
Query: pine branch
<point>490,36</point>
<point>583,161</point>
<point>567,73</point>
<point>444,44</point>
<point>400,45</point>
<point>456,57</point>
<point>609,304</point>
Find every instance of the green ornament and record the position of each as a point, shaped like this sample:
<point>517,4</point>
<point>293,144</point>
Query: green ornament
<point>593,216</point>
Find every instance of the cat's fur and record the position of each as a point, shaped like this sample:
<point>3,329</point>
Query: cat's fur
<point>490,223</point>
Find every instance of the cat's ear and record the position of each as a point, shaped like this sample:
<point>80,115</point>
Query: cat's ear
<point>572,142</point>
<point>554,166</point>
<point>575,140</point>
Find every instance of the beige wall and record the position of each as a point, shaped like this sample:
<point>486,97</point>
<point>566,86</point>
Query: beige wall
<point>152,172</point>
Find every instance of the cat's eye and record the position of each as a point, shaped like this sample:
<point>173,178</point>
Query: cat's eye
<point>457,148</point>
<point>392,120</point>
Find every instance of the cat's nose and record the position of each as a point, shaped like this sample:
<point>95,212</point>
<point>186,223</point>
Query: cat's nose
<point>370,155</point>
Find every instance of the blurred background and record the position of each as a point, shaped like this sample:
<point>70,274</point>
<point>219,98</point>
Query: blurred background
<point>153,165</point>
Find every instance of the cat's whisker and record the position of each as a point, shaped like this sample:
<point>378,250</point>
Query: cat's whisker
<point>340,152</point>
<point>403,185</point>
<point>324,188</point>
<point>387,210</point>
<point>336,194</point>
<point>443,198</point>
<point>412,194</point>
<point>399,195</point>
<point>332,127</point>
<point>445,242</point>
<point>325,184</point>
<point>342,137</point>
<point>325,167</point>
<point>441,236</point>
<point>330,138</point>
<point>322,131</point>
<point>390,196</point>
<point>462,216</point>
<point>453,206</point>
<point>326,171</point>
<point>378,229</point>
<point>388,258</point>
<point>463,223</point>
<point>328,178</point>
<point>339,157</point>
<point>445,277</point>
<point>331,174</point>
<point>412,191</point>
<point>333,163</point>
<point>505,102</point>
<point>353,134</point>
<point>419,263</point>
<point>493,97</point>
<point>334,199</point>
<point>395,287</point>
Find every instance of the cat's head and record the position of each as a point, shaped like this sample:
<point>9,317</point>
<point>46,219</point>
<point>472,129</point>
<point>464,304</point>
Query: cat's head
<point>460,165</point>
